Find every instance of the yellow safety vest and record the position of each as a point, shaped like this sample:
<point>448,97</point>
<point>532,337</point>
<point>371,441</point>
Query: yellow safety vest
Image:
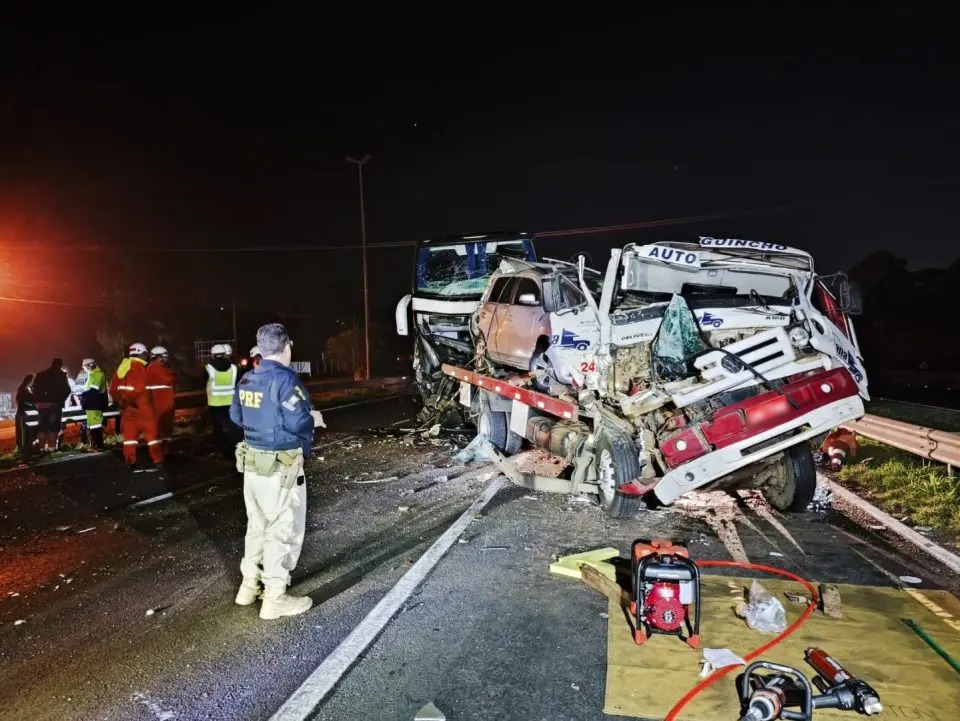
<point>220,385</point>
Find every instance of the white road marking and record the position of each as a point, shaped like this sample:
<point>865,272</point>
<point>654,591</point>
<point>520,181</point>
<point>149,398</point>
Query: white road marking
<point>158,712</point>
<point>305,699</point>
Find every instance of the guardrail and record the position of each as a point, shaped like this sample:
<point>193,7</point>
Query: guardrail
<point>76,415</point>
<point>928,443</point>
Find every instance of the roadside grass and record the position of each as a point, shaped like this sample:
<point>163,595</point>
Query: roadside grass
<point>942,419</point>
<point>903,485</point>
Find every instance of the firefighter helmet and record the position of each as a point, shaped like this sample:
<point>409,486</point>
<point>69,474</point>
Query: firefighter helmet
<point>255,351</point>
<point>138,349</point>
<point>158,350</point>
<point>88,363</point>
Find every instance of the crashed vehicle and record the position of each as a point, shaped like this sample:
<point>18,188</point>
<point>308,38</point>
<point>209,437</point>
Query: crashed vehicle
<point>450,276</point>
<point>691,366</point>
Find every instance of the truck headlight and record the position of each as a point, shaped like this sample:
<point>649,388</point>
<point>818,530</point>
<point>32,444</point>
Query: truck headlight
<point>799,337</point>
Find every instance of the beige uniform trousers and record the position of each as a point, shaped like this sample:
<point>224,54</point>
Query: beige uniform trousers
<point>276,523</point>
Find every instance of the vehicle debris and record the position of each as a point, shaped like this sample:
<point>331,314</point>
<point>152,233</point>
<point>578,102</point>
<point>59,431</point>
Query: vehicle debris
<point>429,713</point>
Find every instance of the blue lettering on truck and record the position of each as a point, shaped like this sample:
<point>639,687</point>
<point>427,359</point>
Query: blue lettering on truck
<point>851,362</point>
<point>673,255</point>
<point>569,339</point>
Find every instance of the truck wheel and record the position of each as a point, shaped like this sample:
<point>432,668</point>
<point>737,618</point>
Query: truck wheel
<point>793,490</point>
<point>617,463</point>
<point>496,426</point>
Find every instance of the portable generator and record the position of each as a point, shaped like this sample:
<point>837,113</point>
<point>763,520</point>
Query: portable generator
<point>666,592</point>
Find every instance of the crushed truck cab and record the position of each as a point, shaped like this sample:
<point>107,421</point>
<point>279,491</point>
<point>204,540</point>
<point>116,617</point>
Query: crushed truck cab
<point>692,365</point>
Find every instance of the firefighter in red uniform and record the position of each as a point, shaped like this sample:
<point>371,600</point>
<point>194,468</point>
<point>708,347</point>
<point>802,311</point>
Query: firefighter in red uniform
<point>161,381</point>
<point>129,388</point>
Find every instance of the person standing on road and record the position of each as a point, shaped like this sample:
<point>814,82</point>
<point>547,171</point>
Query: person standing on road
<point>129,388</point>
<point>51,389</point>
<point>221,383</point>
<point>161,382</point>
<point>26,419</point>
<point>93,399</point>
<point>252,362</point>
<point>273,408</point>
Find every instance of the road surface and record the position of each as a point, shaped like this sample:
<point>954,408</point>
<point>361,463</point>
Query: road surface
<point>114,611</point>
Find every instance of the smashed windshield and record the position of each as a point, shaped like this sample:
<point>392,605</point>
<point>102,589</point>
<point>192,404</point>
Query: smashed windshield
<point>465,268</point>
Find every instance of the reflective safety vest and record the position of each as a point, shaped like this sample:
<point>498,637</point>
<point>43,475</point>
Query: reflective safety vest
<point>220,385</point>
<point>96,379</point>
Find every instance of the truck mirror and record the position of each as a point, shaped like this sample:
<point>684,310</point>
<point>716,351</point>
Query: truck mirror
<point>850,297</point>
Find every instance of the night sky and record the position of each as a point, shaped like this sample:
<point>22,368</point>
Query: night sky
<point>124,142</point>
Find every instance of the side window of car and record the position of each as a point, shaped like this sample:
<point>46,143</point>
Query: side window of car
<point>528,286</point>
<point>506,293</point>
<point>497,290</point>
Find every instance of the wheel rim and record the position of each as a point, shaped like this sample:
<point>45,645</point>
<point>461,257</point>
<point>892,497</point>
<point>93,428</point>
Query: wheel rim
<point>780,491</point>
<point>542,370</point>
<point>606,476</point>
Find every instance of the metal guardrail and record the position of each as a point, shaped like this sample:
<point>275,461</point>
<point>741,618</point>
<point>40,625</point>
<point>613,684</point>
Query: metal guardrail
<point>928,443</point>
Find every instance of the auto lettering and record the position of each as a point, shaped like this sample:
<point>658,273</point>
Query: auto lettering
<point>673,255</point>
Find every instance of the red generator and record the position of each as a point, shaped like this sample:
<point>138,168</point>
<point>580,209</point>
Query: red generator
<point>666,586</point>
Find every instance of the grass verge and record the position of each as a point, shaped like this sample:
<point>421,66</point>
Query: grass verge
<point>902,485</point>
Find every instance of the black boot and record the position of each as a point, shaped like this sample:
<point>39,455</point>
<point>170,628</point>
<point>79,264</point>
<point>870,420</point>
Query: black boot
<point>96,438</point>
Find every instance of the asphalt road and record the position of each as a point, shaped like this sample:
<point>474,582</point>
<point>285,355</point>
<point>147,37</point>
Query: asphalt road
<point>127,612</point>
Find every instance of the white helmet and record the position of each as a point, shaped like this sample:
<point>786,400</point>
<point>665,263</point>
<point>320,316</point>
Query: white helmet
<point>255,351</point>
<point>88,363</point>
<point>217,349</point>
<point>158,350</point>
<point>227,350</point>
<point>138,349</point>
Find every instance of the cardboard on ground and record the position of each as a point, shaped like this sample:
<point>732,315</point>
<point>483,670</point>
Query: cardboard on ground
<point>870,640</point>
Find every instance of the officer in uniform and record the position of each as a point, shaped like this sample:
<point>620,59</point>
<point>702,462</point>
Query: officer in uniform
<point>93,399</point>
<point>273,408</point>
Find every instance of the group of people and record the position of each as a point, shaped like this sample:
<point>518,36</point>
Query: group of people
<point>267,401</point>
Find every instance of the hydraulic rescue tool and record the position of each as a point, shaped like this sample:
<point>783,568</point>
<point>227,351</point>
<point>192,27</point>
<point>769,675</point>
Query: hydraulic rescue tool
<point>666,592</point>
<point>768,697</point>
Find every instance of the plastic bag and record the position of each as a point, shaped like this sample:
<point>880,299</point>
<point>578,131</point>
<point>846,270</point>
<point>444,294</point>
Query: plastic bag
<point>763,611</point>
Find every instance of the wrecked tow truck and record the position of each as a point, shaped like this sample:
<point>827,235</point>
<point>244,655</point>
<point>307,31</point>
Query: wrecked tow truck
<point>690,366</point>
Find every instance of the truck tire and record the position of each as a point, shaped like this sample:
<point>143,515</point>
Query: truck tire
<point>496,425</point>
<point>794,491</point>
<point>617,463</point>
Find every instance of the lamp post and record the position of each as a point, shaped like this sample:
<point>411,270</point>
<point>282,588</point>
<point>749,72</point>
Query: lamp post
<point>363,239</point>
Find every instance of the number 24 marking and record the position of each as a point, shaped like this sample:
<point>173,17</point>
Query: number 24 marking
<point>588,367</point>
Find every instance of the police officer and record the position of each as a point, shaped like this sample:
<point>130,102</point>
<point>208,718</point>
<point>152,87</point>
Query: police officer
<point>273,408</point>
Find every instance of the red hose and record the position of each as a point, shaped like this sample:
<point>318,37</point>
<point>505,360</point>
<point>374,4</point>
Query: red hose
<point>757,651</point>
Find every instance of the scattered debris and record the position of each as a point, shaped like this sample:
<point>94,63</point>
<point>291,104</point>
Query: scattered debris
<point>19,622</point>
<point>151,611</point>
<point>822,500</point>
<point>762,611</point>
<point>529,498</point>
<point>913,580</point>
<point>64,528</point>
<point>574,687</point>
<point>85,530</point>
<point>775,553</point>
<point>430,713</point>
<point>717,658</point>
<point>830,602</point>
<point>380,480</point>
<point>473,451</point>
<point>796,597</point>
<point>495,548</point>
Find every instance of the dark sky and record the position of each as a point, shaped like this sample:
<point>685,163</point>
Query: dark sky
<point>154,134</point>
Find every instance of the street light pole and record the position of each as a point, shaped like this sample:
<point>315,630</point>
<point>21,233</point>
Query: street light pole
<point>363,239</point>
